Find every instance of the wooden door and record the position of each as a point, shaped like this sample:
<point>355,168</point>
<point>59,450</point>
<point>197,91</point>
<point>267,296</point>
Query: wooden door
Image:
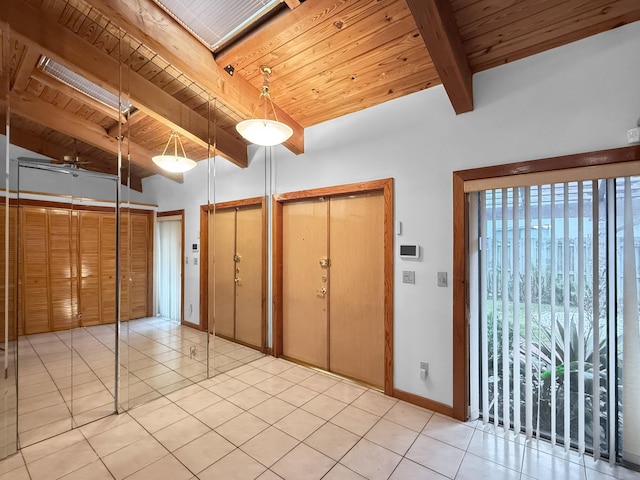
<point>62,276</point>
<point>89,258</point>
<point>140,244</point>
<point>35,284</point>
<point>356,313</point>
<point>224,248</point>
<point>249,276</point>
<point>304,313</point>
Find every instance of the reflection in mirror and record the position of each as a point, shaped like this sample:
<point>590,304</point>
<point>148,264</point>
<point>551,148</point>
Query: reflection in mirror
<point>66,284</point>
<point>8,252</point>
<point>166,345</point>
<point>234,224</point>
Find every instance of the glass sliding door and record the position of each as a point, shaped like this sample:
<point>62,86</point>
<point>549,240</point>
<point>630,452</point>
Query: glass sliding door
<point>557,332</point>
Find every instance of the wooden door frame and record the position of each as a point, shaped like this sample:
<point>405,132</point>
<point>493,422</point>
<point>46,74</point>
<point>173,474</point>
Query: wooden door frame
<point>178,213</point>
<point>386,187</point>
<point>204,259</point>
<point>548,166</point>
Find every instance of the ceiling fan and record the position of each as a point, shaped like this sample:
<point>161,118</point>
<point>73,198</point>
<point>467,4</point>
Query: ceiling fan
<point>69,161</point>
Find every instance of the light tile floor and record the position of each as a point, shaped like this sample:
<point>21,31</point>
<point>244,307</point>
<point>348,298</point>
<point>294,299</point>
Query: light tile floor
<point>272,419</point>
<point>72,371</point>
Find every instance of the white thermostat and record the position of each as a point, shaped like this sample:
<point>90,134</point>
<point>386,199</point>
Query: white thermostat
<point>410,251</point>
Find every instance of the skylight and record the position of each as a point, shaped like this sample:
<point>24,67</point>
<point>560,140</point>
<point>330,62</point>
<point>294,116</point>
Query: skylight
<point>81,84</point>
<point>216,23</point>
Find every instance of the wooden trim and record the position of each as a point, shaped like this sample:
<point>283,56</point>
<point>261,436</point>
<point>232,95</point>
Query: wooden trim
<point>551,164</point>
<point>389,224</point>
<point>150,255</point>
<point>460,348</point>
<point>204,268</point>
<point>243,202</point>
<point>276,278</point>
<point>171,213</point>
<point>437,25</point>
<point>548,165</point>
<point>423,402</point>
<point>350,188</point>
<point>384,185</point>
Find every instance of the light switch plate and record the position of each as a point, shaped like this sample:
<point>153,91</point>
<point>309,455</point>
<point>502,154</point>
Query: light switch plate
<point>442,279</point>
<point>408,276</point>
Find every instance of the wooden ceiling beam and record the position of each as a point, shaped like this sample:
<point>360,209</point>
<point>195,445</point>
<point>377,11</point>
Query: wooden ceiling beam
<point>61,87</point>
<point>437,25</point>
<point>64,46</point>
<point>44,113</point>
<point>25,69</point>
<point>148,23</point>
<point>132,119</point>
<point>292,3</point>
<point>35,143</point>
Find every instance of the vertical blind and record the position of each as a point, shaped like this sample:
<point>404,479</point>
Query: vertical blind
<point>549,327</point>
<point>169,264</point>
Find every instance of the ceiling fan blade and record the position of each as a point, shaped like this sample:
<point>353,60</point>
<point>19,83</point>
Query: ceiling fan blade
<point>34,160</point>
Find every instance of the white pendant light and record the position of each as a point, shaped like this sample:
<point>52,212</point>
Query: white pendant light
<point>173,162</point>
<point>262,131</point>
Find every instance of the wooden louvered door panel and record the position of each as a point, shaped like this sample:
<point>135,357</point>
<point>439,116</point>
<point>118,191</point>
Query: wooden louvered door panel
<point>61,270</point>
<point>35,284</point>
<point>224,266</point>
<point>108,268</point>
<point>249,286</point>
<point>89,264</point>
<point>125,274</point>
<point>304,312</point>
<point>140,244</point>
<point>12,281</point>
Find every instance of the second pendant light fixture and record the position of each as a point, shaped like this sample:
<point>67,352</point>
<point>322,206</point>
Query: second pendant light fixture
<point>263,131</point>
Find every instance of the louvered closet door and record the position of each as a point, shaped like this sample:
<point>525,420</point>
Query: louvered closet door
<point>62,276</point>
<point>357,287</point>
<point>12,283</point>
<point>224,228</point>
<point>249,275</point>
<point>35,285</point>
<point>305,312</point>
<point>108,268</point>
<point>89,257</point>
<point>125,273</point>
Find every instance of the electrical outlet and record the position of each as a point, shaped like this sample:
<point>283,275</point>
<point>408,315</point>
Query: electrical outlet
<point>186,260</point>
<point>633,135</point>
<point>442,279</point>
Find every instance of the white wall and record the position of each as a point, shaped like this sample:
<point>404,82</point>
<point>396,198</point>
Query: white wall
<point>577,98</point>
<point>82,186</point>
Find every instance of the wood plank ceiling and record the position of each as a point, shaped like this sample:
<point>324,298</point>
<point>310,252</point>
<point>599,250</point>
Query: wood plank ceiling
<point>329,58</point>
